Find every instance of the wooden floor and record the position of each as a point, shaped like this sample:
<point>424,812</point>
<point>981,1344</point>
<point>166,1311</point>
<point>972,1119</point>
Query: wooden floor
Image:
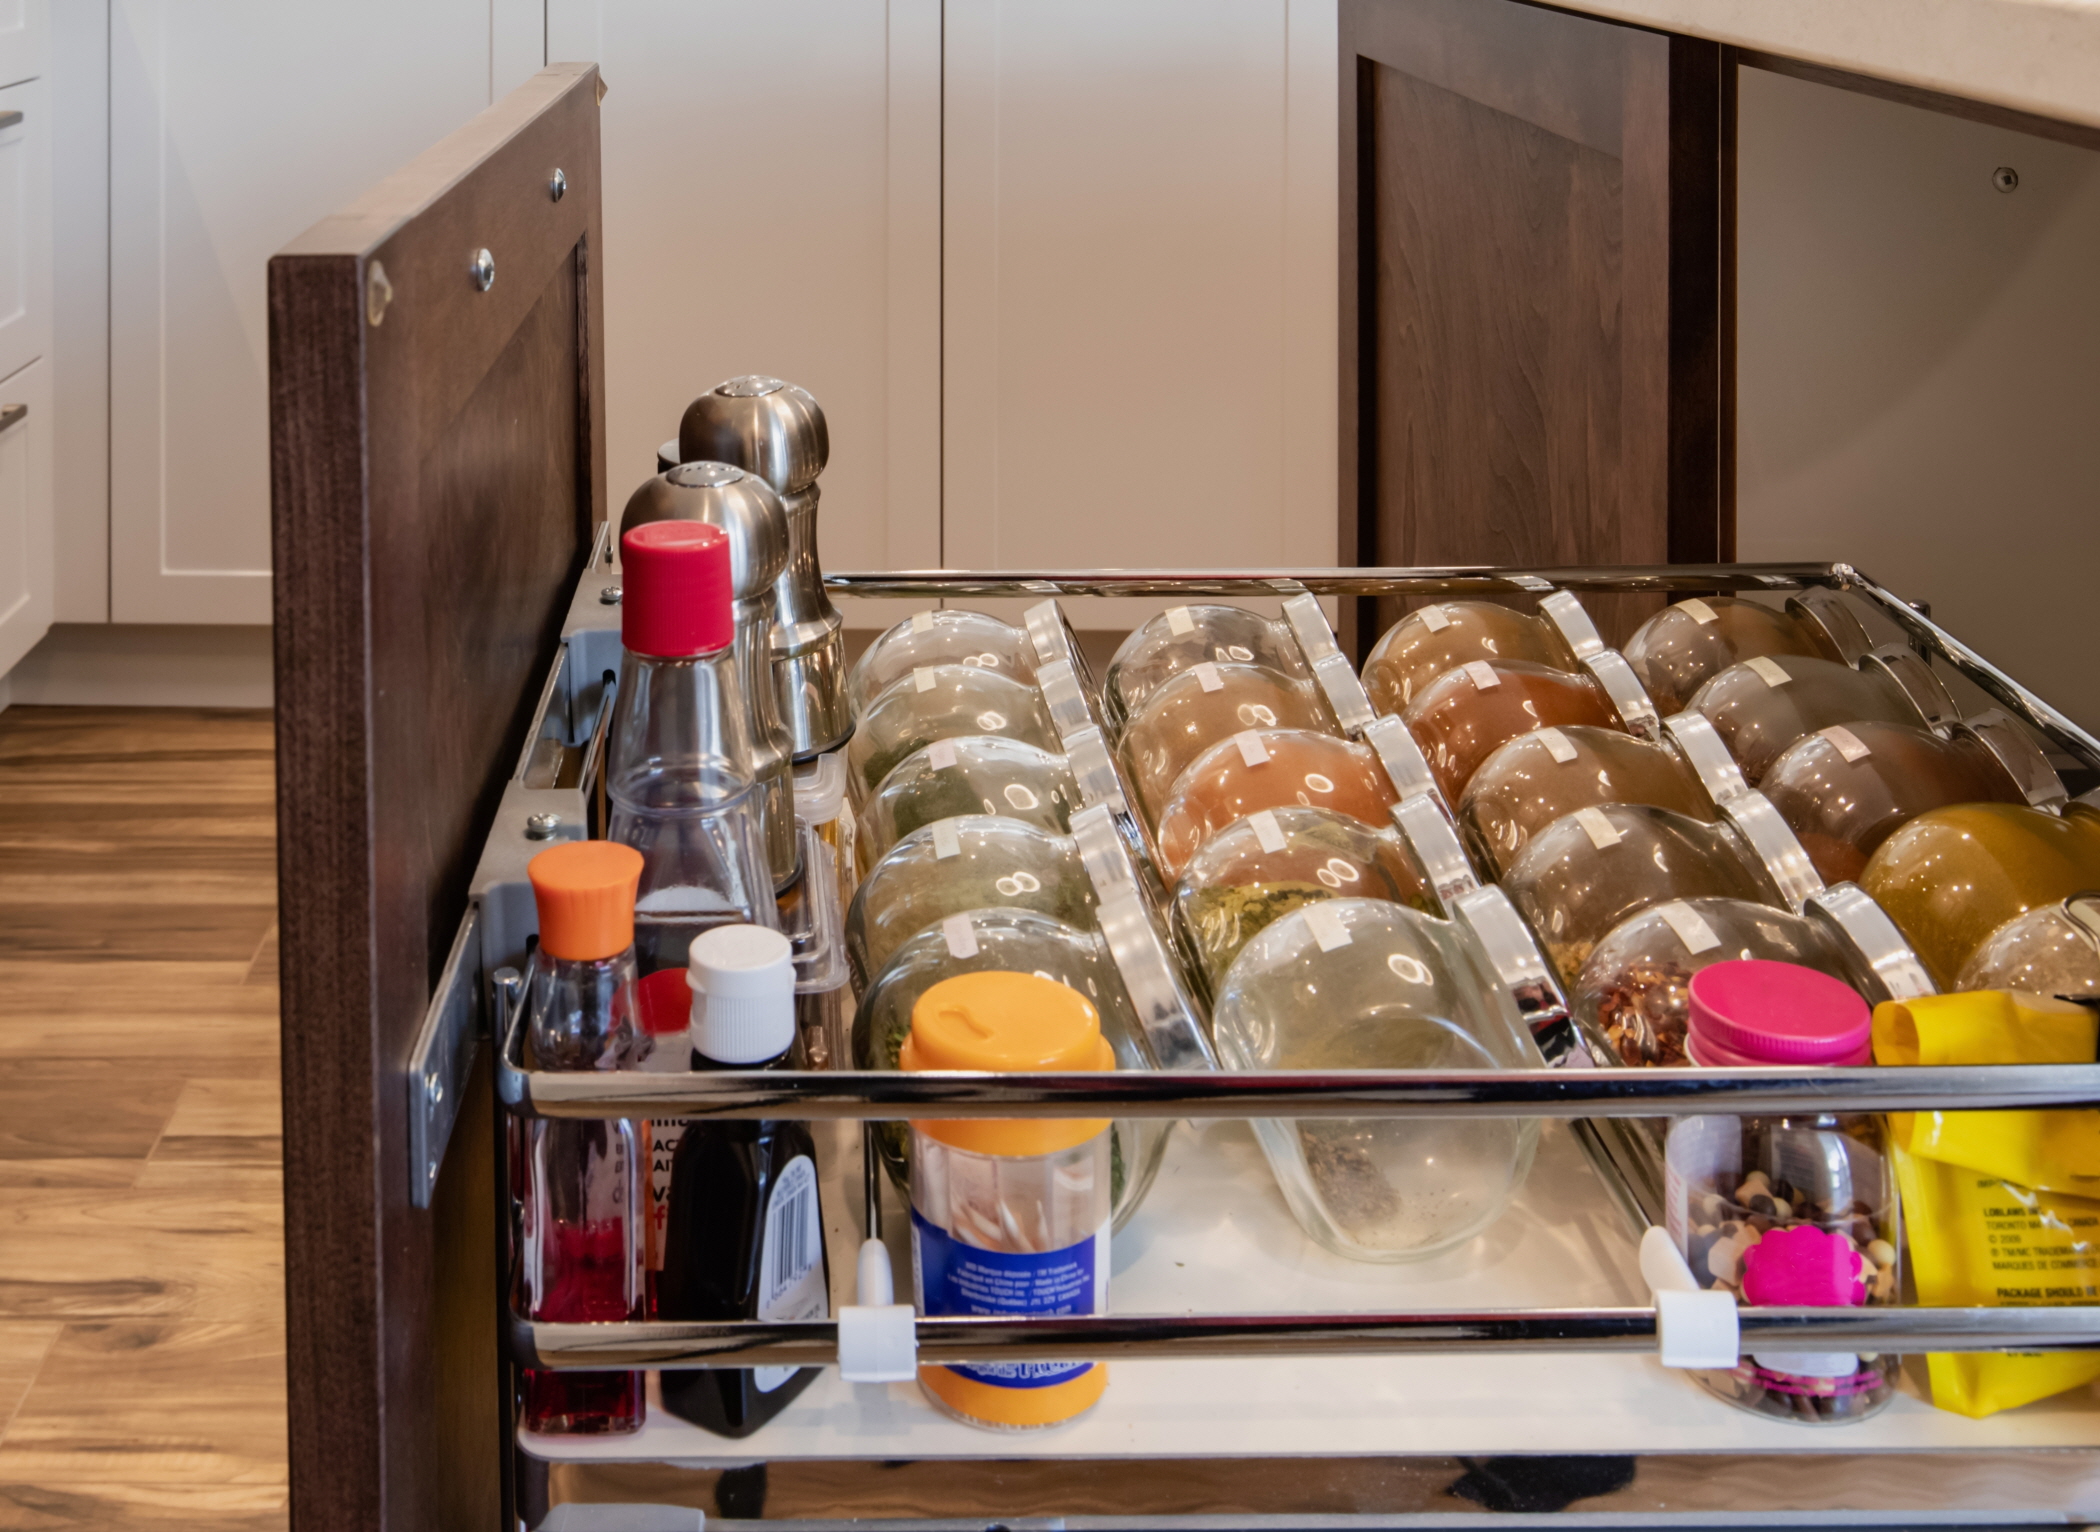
<point>141,1225</point>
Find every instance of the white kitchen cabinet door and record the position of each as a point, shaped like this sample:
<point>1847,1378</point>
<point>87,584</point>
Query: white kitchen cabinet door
<point>25,225</point>
<point>1139,284</point>
<point>25,511</point>
<point>25,34</point>
<point>233,126</point>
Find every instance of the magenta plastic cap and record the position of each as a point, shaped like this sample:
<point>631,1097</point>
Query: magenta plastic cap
<point>1755,1011</point>
<point>677,600</point>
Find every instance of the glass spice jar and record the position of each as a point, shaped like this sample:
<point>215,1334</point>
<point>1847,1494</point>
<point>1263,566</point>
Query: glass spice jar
<point>1183,637</point>
<point>1534,779</point>
<point>1461,717</point>
<point>2051,950</point>
<point>1762,705</point>
<point>1188,713</point>
<point>1270,769</point>
<point>1796,1211</point>
<point>1434,639</point>
<point>946,637</point>
<point>1674,651</point>
<point>977,774</point>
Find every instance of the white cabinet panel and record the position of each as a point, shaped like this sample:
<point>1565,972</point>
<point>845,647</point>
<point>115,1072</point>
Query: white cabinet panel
<point>25,225</point>
<point>233,126</point>
<point>25,511</point>
<point>25,31</point>
<point>1139,283</point>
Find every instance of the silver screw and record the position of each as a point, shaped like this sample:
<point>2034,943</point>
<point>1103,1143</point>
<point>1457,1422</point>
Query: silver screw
<point>558,187</point>
<point>2005,178</point>
<point>379,292</point>
<point>610,596</point>
<point>434,1088</point>
<point>483,271</point>
<point>542,826</point>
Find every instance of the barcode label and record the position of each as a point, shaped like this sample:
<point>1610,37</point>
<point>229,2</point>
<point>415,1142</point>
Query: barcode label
<point>1769,669</point>
<point>1557,744</point>
<point>1266,830</point>
<point>1483,674</point>
<point>922,622</point>
<point>1434,618</point>
<point>946,842</point>
<point>792,1282</point>
<point>1252,750</point>
<point>922,677</point>
<point>1601,831</point>
<point>940,755</point>
<point>1690,926</point>
<point>1327,927</point>
<point>1849,745</point>
<point>962,941</point>
<point>1208,678</point>
<point>1179,621</point>
<point>1698,611</point>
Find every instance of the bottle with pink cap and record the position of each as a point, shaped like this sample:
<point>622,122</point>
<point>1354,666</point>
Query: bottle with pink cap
<point>1786,1211</point>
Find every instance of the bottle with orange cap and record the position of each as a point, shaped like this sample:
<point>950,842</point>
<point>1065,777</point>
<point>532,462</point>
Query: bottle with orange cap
<point>584,1229</point>
<point>1010,1216</point>
<point>682,760</point>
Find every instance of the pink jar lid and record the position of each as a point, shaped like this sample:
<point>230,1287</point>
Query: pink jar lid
<point>1756,1011</point>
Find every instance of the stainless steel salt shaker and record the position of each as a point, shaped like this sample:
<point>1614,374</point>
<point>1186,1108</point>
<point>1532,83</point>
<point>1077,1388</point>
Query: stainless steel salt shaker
<point>745,507</point>
<point>776,430</point>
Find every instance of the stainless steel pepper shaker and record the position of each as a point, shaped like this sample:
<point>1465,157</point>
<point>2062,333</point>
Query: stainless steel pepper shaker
<point>776,430</point>
<point>745,507</point>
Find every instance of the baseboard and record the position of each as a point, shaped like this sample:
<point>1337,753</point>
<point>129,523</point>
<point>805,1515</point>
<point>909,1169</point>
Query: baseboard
<point>83,664</point>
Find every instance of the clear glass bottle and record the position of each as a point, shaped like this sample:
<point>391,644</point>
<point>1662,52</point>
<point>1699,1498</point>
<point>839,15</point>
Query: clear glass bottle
<point>745,1234</point>
<point>944,637</point>
<point>2050,950</point>
<point>1763,704</point>
<point>1440,637</point>
<point>1459,718</point>
<point>1258,869</point>
<point>941,702</point>
<point>1183,637</point>
<point>1586,872</point>
<point>1364,984</point>
<point>584,1230</point>
<point>677,785</point>
<point>1787,1211</point>
<point>1014,941</point>
<point>1674,651</point>
<point>1953,876</point>
<point>1010,1217</point>
<point>976,862</point>
<point>978,774</point>
<point>1188,713</point>
<point>1271,769</point>
<point>1534,779</point>
<point>813,919</point>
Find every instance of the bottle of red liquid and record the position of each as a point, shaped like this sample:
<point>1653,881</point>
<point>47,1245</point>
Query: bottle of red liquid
<point>585,1224</point>
<point>745,1236</point>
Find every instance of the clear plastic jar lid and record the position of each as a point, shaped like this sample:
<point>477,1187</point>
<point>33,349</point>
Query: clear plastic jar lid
<point>2007,739</point>
<point>1065,699</point>
<point>1925,690</point>
<point>1425,824</point>
<point>1051,638</point>
<point>1785,861</point>
<point>1338,680</point>
<point>1628,697</point>
<point>1566,613</point>
<point>1831,615</point>
<point>1175,1029</point>
<point>1868,933</point>
<point>1506,946</point>
<point>1700,744</point>
<point>1401,755</point>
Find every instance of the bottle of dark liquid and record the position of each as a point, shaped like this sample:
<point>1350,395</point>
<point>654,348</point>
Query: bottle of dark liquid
<point>584,1225</point>
<point>745,1235</point>
<point>679,782</point>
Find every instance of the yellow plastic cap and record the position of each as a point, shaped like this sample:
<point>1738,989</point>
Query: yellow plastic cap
<point>585,892</point>
<point>1007,1023</point>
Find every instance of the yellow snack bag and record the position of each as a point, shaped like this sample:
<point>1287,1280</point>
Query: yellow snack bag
<point>1991,1200</point>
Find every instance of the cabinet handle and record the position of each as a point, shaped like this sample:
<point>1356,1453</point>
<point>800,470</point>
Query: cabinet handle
<point>9,118</point>
<point>11,415</point>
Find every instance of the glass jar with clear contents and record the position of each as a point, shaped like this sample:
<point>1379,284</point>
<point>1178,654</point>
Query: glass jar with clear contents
<point>1186,714</point>
<point>942,702</point>
<point>1432,640</point>
<point>1786,1211</point>
<point>1762,705</point>
<point>1258,869</point>
<point>946,637</point>
<point>1846,788</point>
<point>1460,717</point>
<point>1675,651</point>
<point>1270,769</point>
<point>1534,779</point>
<point>1583,874</point>
<point>976,862</point>
<point>1364,984</point>
<point>977,774</point>
<point>1953,876</point>
<point>1012,941</point>
<point>1183,637</point>
<point>2051,950</point>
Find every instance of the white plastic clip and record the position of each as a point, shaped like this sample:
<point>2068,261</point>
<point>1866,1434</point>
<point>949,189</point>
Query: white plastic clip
<point>1693,1328</point>
<point>878,1338</point>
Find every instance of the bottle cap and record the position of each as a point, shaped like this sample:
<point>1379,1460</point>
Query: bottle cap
<point>676,598</point>
<point>1007,1023</point>
<point>1756,1011</point>
<point>585,892</point>
<point>743,982</point>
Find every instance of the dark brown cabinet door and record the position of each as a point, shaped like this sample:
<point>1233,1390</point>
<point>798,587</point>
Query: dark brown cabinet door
<point>1532,280</point>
